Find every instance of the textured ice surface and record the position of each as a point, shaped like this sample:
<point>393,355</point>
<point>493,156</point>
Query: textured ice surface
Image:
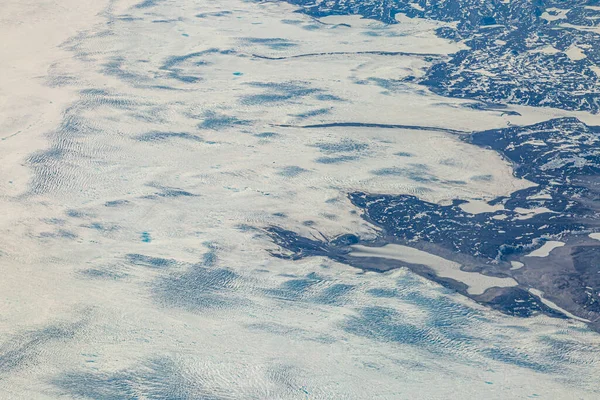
<point>477,283</point>
<point>161,138</point>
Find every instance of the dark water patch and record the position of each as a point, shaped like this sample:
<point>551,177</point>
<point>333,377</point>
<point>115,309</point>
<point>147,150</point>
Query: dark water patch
<point>76,214</point>
<point>384,293</point>
<point>292,21</point>
<point>271,43</point>
<point>148,261</point>
<point>343,146</point>
<point>102,227</point>
<point>313,113</point>
<point>116,203</point>
<point>216,122</point>
<point>328,97</point>
<point>171,192</point>
<point>162,87</point>
<point>148,3</point>
<point>266,135</point>
<point>482,178</point>
<point>454,182</point>
<point>335,160</point>
<point>176,193</point>
<point>291,171</point>
<point>222,13</point>
<point>300,87</point>
<point>184,78</point>
<point>146,237</point>
<point>127,18</point>
<point>258,99</point>
<point>156,136</point>
<point>174,61</point>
